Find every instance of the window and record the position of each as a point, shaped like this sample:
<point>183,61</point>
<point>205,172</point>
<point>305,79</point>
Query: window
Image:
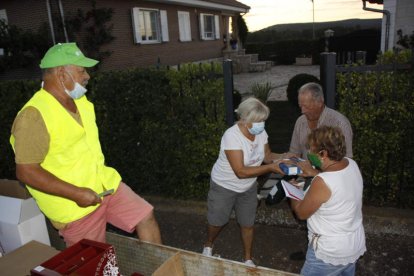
<point>184,26</point>
<point>149,25</point>
<point>209,26</point>
<point>3,16</point>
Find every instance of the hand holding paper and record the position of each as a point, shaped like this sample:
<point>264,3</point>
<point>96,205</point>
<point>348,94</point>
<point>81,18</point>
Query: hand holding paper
<point>105,193</point>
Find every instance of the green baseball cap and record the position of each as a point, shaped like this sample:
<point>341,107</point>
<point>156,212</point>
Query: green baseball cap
<point>65,54</point>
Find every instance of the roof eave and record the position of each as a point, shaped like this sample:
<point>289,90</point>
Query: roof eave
<point>204,4</point>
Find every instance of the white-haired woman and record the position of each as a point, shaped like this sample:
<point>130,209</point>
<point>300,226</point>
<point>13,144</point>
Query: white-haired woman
<point>243,150</point>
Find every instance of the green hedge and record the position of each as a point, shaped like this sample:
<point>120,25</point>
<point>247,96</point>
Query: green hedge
<point>13,95</point>
<point>160,129</point>
<point>286,52</point>
<point>380,106</point>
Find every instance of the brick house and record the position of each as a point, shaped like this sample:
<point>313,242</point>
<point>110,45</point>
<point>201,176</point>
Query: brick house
<point>145,31</point>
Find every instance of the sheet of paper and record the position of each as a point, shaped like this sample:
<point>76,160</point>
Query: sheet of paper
<point>108,192</point>
<point>291,191</point>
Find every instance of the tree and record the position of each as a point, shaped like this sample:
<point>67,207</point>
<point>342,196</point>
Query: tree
<point>95,23</point>
<point>242,29</point>
<point>407,42</point>
<point>22,48</point>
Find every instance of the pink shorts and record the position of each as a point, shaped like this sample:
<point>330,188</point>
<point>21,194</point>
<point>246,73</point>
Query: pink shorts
<point>124,209</point>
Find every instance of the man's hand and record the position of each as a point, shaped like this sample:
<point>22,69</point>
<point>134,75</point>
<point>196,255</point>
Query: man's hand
<point>86,197</point>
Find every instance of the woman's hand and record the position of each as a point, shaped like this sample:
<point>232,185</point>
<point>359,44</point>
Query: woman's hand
<point>307,169</point>
<point>275,168</point>
<point>280,156</point>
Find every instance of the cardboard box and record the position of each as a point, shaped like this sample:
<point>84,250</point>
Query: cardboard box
<point>171,267</point>
<point>290,169</point>
<point>20,218</point>
<point>23,259</point>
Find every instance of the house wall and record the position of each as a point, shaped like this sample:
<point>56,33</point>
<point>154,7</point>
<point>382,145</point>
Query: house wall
<point>127,54</point>
<point>30,14</point>
<point>27,14</point>
<point>389,5</point>
<point>402,17</point>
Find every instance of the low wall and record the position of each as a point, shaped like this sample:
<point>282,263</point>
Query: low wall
<point>303,61</point>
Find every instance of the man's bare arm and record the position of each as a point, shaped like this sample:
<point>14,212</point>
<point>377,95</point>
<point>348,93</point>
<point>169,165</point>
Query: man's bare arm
<point>38,178</point>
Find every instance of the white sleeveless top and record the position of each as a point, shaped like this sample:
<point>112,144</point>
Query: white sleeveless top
<point>335,230</point>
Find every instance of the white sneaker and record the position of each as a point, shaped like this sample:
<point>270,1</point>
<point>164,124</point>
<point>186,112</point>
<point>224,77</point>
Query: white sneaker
<point>250,263</point>
<point>207,251</point>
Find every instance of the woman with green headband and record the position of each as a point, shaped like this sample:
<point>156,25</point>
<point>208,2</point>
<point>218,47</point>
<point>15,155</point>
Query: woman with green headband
<point>332,206</point>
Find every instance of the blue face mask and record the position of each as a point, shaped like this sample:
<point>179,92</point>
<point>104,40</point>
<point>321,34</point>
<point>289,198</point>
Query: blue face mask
<point>257,128</point>
<point>77,92</point>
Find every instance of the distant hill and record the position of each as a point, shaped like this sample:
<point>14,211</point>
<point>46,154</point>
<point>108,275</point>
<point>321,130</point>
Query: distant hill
<point>282,43</point>
<point>302,31</point>
<point>349,23</point>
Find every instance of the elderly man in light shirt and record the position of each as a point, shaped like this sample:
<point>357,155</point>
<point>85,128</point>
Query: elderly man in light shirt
<point>314,115</point>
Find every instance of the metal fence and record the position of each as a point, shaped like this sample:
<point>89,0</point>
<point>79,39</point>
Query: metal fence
<point>227,77</point>
<point>379,102</point>
<point>331,64</point>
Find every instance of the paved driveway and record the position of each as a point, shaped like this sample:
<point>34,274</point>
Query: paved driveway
<point>277,76</point>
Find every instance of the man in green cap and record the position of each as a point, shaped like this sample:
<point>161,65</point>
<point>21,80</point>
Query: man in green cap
<point>58,156</point>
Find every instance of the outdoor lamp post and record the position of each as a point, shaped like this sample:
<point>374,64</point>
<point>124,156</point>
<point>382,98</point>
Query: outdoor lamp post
<point>328,33</point>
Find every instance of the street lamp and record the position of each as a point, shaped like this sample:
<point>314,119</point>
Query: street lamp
<point>328,33</point>
<point>313,20</point>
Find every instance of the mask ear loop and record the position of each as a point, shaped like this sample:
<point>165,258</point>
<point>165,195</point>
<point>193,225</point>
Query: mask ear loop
<point>70,75</point>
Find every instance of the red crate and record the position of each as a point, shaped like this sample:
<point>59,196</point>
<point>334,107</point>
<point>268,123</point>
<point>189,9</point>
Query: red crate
<point>83,258</point>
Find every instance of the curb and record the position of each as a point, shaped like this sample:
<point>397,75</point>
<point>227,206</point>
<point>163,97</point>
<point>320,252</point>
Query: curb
<point>377,220</point>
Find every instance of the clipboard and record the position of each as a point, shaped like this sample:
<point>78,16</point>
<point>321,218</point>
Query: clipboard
<point>292,191</point>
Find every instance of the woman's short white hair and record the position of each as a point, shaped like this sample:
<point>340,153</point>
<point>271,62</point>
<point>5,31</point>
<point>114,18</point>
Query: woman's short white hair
<point>252,110</point>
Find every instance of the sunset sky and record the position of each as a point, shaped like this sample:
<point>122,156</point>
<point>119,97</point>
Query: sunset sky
<point>264,13</point>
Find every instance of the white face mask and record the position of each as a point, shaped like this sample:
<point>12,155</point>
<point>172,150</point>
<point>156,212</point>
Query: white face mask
<point>257,128</point>
<point>78,90</point>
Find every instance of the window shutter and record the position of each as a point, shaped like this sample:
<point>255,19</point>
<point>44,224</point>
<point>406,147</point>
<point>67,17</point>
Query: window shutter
<point>135,25</point>
<point>202,26</point>
<point>164,26</point>
<point>217,26</point>
<point>184,26</point>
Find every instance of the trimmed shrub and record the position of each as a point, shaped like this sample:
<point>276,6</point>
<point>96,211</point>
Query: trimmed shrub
<point>295,83</point>
<point>380,106</point>
<point>13,95</point>
<point>160,129</point>
<point>261,91</point>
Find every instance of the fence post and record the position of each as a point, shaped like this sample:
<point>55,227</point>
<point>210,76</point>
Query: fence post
<point>328,77</point>
<point>228,91</point>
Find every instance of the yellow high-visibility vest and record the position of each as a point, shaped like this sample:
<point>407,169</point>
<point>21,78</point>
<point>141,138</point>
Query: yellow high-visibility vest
<point>74,156</point>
